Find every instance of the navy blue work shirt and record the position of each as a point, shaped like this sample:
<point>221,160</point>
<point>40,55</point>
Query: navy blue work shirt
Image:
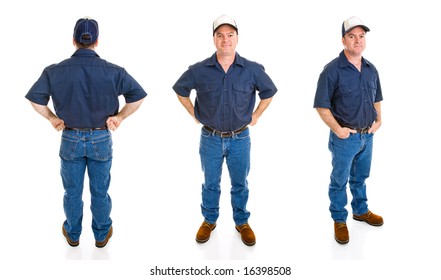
<point>84,89</point>
<point>225,101</point>
<point>349,93</point>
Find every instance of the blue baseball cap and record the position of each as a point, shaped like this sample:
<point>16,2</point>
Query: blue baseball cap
<point>86,31</point>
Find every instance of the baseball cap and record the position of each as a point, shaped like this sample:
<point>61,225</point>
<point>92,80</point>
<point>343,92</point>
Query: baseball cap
<point>86,26</point>
<point>224,19</point>
<point>350,23</point>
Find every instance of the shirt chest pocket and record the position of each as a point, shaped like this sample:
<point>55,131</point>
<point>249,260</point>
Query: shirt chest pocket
<point>208,94</point>
<point>242,94</point>
<point>350,95</point>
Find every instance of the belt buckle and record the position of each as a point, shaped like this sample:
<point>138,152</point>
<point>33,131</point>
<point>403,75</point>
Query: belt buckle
<point>225,134</point>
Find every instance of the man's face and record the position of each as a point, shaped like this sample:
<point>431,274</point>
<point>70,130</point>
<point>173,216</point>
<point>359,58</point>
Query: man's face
<point>354,41</point>
<point>225,39</point>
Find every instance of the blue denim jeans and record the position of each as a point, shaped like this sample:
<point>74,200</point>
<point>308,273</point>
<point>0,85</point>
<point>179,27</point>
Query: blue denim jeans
<point>351,162</point>
<point>92,150</point>
<point>236,151</point>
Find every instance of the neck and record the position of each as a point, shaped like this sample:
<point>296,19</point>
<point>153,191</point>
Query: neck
<point>225,60</point>
<point>354,59</point>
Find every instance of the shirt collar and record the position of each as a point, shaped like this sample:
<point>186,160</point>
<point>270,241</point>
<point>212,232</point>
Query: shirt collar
<point>344,62</point>
<point>85,52</point>
<point>238,60</point>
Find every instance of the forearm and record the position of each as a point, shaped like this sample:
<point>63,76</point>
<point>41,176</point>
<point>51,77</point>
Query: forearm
<point>377,123</point>
<point>261,107</point>
<point>113,122</point>
<point>188,105</point>
<point>129,108</point>
<point>331,122</point>
<point>263,104</point>
<point>44,111</point>
<point>47,113</point>
<point>328,119</point>
<point>377,107</point>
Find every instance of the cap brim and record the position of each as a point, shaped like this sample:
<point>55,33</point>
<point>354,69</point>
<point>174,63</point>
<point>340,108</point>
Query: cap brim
<point>224,24</point>
<point>362,26</point>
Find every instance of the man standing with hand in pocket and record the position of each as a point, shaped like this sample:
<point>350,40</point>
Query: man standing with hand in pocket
<point>348,100</point>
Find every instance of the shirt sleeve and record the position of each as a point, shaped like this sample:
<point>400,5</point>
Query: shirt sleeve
<point>379,95</point>
<point>40,91</point>
<point>131,89</point>
<point>265,85</point>
<point>324,91</point>
<point>185,84</point>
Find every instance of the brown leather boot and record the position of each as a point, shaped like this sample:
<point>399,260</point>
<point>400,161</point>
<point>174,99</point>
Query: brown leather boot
<point>370,218</point>
<point>101,244</point>
<point>246,234</point>
<point>204,232</point>
<point>341,233</point>
<point>69,241</point>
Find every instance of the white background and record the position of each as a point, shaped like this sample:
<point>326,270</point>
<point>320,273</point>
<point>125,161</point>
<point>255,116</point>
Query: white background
<point>156,175</point>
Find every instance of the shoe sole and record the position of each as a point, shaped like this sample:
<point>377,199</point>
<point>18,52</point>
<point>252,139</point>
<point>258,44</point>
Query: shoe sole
<point>246,243</point>
<point>202,240</point>
<point>341,241</point>
<point>205,240</point>
<point>361,220</point>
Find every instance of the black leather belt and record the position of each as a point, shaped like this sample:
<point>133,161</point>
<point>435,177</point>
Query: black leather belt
<point>86,129</point>
<point>225,134</point>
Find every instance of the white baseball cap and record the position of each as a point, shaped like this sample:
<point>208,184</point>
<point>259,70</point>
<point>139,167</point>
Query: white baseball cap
<point>224,19</point>
<point>350,23</point>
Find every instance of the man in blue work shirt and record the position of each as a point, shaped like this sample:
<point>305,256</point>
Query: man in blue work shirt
<point>348,100</point>
<point>84,91</point>
<point>226,86</point>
